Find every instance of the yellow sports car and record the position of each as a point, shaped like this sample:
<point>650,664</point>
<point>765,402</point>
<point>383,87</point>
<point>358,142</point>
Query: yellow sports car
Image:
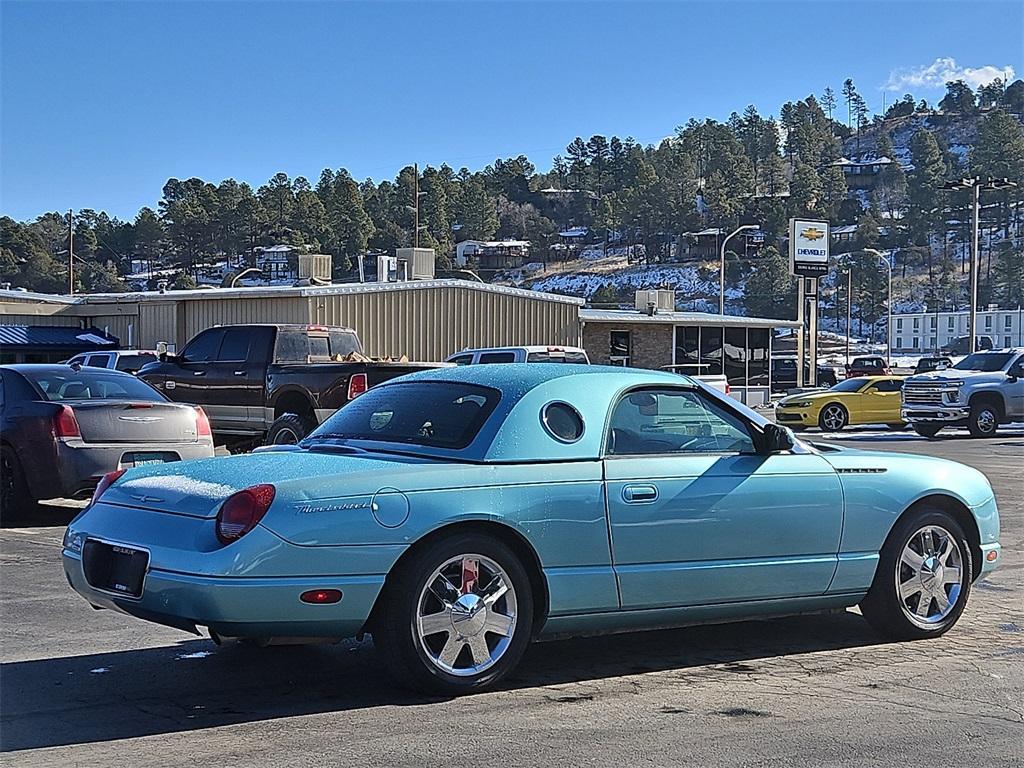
<point>863,400</point>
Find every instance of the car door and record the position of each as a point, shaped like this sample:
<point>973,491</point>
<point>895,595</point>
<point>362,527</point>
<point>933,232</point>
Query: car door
<point>1014,389</point>
<point>696,516</point>
<point>185,376</point>
<point>880,402</point>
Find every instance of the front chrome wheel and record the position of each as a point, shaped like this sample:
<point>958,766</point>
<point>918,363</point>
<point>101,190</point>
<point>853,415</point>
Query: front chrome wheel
<point>929,576</point>
<point>466,615</point>
<point>833,418</point>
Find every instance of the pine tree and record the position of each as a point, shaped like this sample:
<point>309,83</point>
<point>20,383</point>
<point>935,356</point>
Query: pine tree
<point>771,290</point>
<point>805,191</point>
<point>925,202</point>
<point>828,101</point>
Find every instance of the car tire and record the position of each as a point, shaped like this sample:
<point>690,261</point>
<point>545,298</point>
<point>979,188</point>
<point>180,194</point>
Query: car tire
<point>288,429</point>
<point>833,418</point>
<point>915,594</point>
<point>444,661</point>
<point>984,419</point>
<point>15,498</point>
<point>797,427</point>
<point>927,430</point>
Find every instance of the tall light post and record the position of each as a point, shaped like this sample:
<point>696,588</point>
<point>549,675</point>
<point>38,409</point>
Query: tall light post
<point>975,184</point>
<point>848,271</point>
<point>721,277</point>
<point>888,322</point>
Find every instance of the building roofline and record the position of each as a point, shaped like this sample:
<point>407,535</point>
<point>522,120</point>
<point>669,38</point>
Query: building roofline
<point>681,318</point>
<point>262,291</point>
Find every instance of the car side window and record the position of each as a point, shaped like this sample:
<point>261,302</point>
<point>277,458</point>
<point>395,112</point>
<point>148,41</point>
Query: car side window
<point>203,347</point>
<point>462,360</point>
<point>99,361</point>
<point>660,421</point>
<point>889,385</point>
<point>235,347</point>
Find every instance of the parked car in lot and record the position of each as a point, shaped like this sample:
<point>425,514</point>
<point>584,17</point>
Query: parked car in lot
<point>980,392</point>
<point>698,371</point>
<point>271,383</point>
<point>929,364</point>
<point>129,360</point>
<point>534,354</point>
<point>784,374</point>
<point>962,345</point>
<point>863,400</point>
<point>64,427</point>
<point>869,365</point>
<point>456,514</point>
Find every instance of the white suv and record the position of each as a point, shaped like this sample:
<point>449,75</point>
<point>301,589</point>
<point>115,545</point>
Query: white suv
<point>129,360</point>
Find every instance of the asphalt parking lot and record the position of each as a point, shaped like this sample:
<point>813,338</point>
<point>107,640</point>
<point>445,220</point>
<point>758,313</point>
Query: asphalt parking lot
<point>80,687</point>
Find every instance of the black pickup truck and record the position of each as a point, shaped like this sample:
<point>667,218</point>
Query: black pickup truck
<point>270,383</point>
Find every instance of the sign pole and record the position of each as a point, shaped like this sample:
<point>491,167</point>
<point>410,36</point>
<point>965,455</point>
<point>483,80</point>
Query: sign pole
<point>800,301</point>
<point>812,283</point>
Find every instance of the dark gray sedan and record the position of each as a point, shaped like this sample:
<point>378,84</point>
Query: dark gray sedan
<point>63,427</point>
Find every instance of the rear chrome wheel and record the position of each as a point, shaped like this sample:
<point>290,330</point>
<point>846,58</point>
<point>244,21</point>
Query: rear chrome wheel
<point>466,615</point>
<point>984,420</point>
<point>456,615</point>
<point>923,578</point>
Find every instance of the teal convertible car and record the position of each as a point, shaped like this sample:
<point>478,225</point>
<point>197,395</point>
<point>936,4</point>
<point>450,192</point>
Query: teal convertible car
<point>457,514</point>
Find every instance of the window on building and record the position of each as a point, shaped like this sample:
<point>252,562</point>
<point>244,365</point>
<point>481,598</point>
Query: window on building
<point>899,342</point>
<point>757,356</point>
<point>711,351</point>
<point>620,348</point>
<point>735,356</point>
<point>1007,322</point>
<point>1007,341</point>
<point>687,345</point>
<point>917,323</point>
<point>988,322</point>
<point>917,343</point>
<point>951,323</point>
<point>934,322</point>
<point>899,323</point>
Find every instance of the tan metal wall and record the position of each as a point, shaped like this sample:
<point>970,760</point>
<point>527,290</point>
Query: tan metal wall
<point>200,314</point>
<point>432,323</point>
<point>34,319</point>
<point>158,321</point>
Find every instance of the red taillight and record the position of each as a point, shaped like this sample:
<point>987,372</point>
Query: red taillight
<point>357,385</point>
<point>105,482</point>
<point>202,424</point>
<point>243,511</point>
<point>321,596</point>
<point>65,424</point>
<point>728,389</point>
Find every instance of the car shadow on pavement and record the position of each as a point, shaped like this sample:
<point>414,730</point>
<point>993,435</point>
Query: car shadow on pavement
<point>196,684</point>
<point>41,516</point>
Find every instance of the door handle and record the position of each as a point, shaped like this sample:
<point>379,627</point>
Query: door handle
<point>640,494</point>
<point>198,373</point>
<point>239,373</point>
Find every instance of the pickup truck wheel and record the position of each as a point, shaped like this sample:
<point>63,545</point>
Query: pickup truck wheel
<point>15,499</point>
<point>288,429</point>
<point>833,418</point>
<point>927,430</point>
<point>984,420</point>
<point>456,616</point>
<point>923,578</point>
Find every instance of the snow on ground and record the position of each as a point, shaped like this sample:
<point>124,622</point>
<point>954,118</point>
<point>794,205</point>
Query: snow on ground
<point>684,279</point>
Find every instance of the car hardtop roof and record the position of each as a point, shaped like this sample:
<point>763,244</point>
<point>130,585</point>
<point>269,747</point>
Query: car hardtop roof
<point>525,376</point>
<point>526,347</point>
<point>60,368</point>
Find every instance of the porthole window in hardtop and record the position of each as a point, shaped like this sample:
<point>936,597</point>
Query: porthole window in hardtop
<point>562,422</point>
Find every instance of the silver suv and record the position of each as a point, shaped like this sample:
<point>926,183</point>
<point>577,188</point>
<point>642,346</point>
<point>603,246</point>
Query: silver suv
<point>982,391</point>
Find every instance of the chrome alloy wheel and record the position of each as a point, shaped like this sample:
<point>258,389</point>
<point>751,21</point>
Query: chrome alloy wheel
<point>833,418</point>
<point>466,615</point>
<point>987,420</point>
<point>929,575</point>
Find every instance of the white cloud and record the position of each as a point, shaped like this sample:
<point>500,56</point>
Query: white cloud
<point>943,70</point>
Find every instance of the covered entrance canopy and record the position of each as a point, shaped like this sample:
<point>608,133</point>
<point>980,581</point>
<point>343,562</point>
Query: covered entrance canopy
<point>50,343</point>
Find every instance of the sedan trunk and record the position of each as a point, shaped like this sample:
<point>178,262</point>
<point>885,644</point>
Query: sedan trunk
<point>135,422</point>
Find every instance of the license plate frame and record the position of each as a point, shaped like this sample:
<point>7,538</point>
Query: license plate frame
<point>115,568</point>
<point>143,458</point>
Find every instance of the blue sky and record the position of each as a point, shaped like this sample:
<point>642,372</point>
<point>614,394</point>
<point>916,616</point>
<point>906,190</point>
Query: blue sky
<point>102,102</point>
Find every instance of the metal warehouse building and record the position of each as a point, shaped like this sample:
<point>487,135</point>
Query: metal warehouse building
<point>426,320</point>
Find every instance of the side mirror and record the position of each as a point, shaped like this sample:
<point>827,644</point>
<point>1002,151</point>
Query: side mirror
<point>776,439</point>
<point>1015,372</point>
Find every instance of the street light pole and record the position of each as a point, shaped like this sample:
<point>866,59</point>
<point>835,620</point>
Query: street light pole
<point>888,321</point>
<point>721,276</point>
<point>849,309</point>
<point>975,184</point>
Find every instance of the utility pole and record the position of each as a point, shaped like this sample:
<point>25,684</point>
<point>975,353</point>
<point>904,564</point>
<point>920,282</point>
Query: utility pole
<point>416,203</point>
<point>71,252</point>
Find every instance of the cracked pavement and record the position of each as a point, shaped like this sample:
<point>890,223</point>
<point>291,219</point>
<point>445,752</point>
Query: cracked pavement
<point>93,688</point>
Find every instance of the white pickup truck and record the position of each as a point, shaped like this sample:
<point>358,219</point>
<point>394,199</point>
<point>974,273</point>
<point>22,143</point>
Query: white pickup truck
<point>982,391</point>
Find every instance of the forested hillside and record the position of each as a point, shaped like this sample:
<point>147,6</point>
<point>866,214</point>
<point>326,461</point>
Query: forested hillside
<point>633,200</point>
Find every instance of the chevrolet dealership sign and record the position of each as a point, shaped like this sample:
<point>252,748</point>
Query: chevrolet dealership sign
<point>808,247</point>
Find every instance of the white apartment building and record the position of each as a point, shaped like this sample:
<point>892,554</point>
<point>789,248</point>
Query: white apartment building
<point>929,331</point>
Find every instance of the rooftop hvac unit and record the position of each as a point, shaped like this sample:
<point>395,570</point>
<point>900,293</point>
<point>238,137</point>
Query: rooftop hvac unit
<point>419,262</point>
<point>315,266</point>
<point>652,301</point>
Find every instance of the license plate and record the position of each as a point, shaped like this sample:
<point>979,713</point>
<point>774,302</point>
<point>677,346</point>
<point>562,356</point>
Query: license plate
<point>141,459</point>
<point>115,567</point>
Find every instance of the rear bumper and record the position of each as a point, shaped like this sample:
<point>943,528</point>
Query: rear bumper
<point>80,465</point>
<point>238,607</point>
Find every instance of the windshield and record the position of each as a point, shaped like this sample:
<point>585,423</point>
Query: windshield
<point>849,385</point>
<point>438,414</point>
<point>91,384</point>
<point>984,362</point>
